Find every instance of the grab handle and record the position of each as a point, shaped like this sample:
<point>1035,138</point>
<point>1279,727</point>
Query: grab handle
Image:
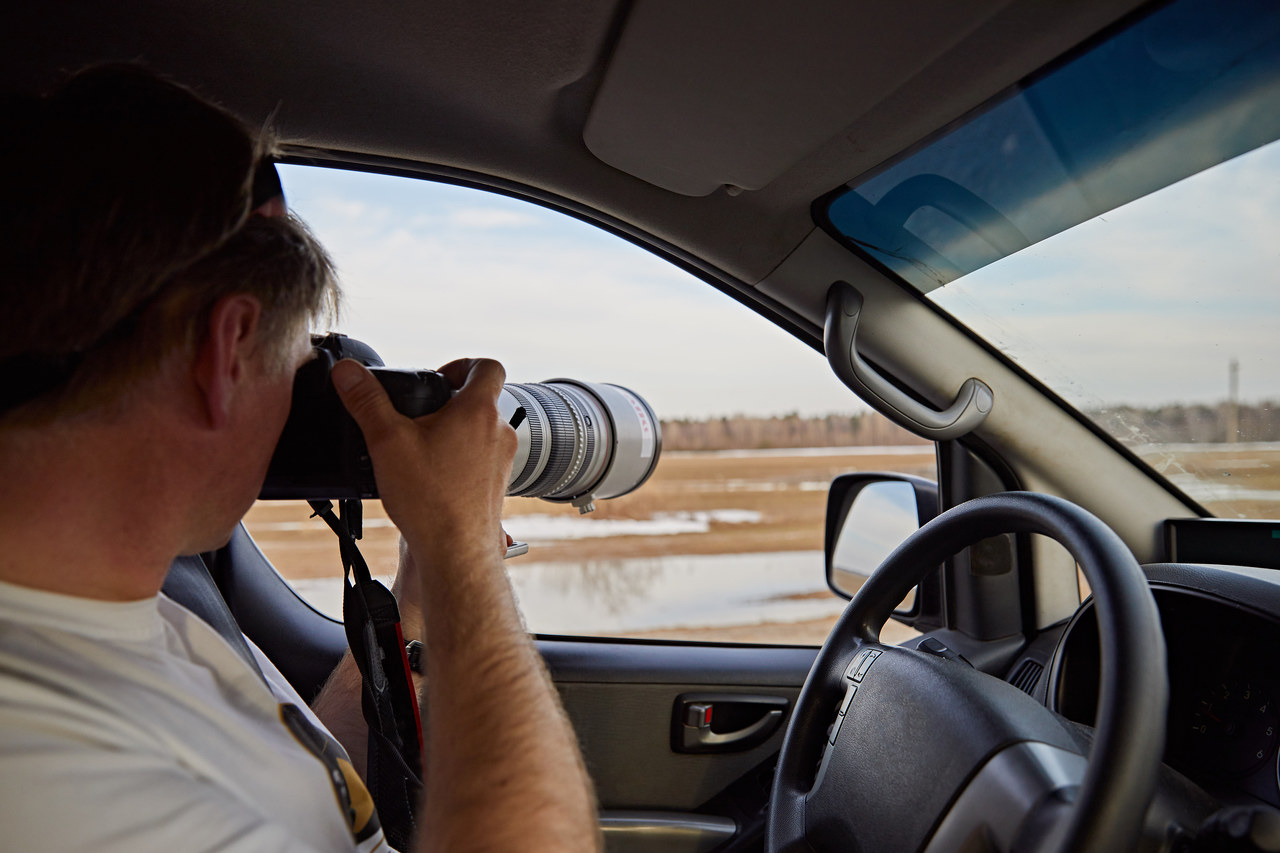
<point>972,403</point>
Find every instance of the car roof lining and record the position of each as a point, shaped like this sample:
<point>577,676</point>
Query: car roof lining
<point>700,96</point>
<point>506,87</point>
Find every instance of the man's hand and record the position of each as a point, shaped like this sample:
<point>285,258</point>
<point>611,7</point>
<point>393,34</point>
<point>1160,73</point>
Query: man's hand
<point>443,476</point>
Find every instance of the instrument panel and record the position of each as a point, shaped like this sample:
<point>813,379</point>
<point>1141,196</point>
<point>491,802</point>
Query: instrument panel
<point>1223,722</point>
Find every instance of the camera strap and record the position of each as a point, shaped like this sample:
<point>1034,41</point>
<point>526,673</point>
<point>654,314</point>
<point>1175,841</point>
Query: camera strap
<point>388,701</point>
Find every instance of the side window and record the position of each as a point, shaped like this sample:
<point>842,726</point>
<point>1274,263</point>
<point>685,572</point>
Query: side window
<point>724,541</point>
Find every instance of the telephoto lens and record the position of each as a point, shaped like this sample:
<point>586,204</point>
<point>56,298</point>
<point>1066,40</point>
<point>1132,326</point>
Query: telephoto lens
<point>580,441</point>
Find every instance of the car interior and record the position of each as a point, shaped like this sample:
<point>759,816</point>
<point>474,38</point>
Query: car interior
<point>837,168</point>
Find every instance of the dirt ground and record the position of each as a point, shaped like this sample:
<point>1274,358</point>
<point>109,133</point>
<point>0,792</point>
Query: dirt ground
<point>1232,473</point>
<point>788,491</point>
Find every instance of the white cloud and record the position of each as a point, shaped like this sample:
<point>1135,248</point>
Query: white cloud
<point>482,217</point>
<point>1148,303</point>
<point>434,272</point>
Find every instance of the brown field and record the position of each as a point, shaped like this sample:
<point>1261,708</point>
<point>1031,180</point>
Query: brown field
<point>788,492</point>
<point>1246,469</point>
<point>783,489</point>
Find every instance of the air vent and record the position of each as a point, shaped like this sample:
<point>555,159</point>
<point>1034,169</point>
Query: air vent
<point>1027,676</point>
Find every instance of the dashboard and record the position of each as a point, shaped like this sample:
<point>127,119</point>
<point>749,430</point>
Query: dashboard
<point>1222,633</point>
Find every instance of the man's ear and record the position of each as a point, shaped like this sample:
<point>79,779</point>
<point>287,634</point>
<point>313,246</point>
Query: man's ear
<point>224,358</point>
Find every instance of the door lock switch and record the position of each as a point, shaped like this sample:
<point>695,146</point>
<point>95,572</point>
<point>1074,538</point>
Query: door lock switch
<point>698,715</point>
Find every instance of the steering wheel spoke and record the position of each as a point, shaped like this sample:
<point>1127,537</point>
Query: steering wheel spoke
<point>1018,801</point>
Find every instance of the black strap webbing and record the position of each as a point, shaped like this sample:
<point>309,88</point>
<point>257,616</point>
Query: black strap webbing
<point>371,618</point>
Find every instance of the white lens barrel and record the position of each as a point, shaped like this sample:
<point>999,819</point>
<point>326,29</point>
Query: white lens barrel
<point>580,440</point>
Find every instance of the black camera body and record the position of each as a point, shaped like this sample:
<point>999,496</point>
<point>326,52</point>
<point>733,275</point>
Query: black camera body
<point>321,453</point>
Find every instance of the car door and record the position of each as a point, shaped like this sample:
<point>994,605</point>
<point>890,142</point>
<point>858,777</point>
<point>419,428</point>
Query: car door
<point>668,775</point>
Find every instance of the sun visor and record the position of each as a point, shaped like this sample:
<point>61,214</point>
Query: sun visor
<point>699,96</point>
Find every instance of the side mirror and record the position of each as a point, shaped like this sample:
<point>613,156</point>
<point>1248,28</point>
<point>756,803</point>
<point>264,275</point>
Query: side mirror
<point>868,515</point>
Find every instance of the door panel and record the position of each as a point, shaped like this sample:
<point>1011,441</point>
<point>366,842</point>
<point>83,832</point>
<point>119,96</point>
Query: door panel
<point>624,701</point>
<point>625,734</point>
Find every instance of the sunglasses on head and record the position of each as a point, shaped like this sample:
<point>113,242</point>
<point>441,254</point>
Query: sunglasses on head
<point>266,189</point>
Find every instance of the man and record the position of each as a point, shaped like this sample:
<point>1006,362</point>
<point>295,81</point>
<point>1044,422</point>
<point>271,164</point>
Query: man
<point>155,314</point>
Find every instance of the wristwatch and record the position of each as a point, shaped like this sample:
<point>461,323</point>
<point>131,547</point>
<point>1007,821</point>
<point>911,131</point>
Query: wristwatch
<point>413,651</point>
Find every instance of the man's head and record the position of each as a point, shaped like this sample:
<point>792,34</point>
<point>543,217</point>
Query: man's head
<point>129,212</point>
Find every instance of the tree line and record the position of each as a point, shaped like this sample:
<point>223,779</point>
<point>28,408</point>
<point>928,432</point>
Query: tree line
<point>1171,424</point>
<point>740,432</point>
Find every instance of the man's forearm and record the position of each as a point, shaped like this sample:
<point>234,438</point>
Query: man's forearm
<point>497,728</point>
<point>338,707</point>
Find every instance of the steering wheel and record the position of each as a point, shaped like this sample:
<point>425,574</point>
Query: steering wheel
<point>895,750</point>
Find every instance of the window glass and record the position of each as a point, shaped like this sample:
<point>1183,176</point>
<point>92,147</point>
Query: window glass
<point>1110,226</point>
<point>1157,322</point>
<point>1192,85</point>
<point>724,541</point>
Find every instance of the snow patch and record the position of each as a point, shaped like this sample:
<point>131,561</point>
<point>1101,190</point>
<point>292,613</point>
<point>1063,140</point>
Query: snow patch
<point>550,528</point>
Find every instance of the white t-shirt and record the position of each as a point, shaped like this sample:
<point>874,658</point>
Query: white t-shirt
<point>135,727</point>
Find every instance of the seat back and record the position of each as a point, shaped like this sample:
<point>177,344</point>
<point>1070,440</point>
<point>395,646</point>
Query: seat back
<point>235,588</point>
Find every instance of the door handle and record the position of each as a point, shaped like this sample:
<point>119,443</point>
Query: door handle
<point>725,722</point>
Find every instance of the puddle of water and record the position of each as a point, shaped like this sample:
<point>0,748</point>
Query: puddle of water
<point>615,596</point>
<point>621,596</point>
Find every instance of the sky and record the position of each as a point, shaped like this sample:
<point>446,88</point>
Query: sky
<point>1146,305</point>
<point>1150,302</point>
<point>432,272</point>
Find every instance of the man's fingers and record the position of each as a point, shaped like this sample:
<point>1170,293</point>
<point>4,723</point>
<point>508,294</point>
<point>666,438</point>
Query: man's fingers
<point>476,375</point>
<point>457,370</point>
<point>364,397</point>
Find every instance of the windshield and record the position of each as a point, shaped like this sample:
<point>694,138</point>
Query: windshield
<point>1112,227</point>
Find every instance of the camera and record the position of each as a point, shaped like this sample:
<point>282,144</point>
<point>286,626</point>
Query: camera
<point>577,441</point>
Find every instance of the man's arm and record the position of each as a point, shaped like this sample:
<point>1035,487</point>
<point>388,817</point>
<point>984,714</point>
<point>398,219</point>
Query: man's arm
<point>338,707</point>
<point>503,769</point>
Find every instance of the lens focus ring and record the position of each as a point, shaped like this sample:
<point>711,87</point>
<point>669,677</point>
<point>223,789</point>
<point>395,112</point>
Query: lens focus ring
<point>536,438</point>
<point>562,447</point>
<point>580,441</point>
